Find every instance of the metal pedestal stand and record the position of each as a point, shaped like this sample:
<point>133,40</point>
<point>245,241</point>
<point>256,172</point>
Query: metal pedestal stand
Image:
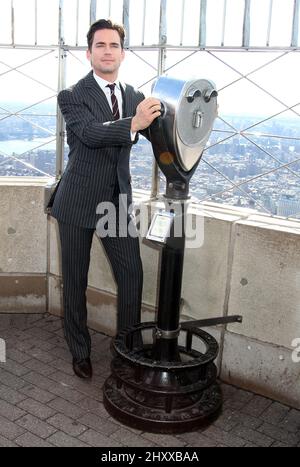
<point>163,377</point>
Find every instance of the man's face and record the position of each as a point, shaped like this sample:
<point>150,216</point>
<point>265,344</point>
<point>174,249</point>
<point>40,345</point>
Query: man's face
<point>106,54</point>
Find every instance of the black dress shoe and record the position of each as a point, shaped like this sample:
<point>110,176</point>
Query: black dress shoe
<point>83,368</point>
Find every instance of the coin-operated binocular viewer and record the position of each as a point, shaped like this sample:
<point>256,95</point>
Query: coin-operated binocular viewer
<point>163,374</point>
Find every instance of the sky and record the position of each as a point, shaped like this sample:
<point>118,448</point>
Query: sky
<point>47,21</point>
<point>280,77</point>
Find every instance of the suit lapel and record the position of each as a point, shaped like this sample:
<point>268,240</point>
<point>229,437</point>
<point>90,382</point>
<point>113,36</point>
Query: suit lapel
<point>98,95</point>
<point>127,101</point>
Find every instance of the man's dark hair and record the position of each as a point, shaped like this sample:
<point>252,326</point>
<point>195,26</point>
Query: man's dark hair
<point>104,24</point>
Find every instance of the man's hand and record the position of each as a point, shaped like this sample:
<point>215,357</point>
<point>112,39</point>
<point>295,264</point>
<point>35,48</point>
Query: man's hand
<point>146,112</point>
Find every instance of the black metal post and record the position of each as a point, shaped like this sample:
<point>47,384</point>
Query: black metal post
<point>172,258</point>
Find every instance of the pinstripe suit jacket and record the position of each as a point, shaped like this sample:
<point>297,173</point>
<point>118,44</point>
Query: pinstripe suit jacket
<point>99,151</point>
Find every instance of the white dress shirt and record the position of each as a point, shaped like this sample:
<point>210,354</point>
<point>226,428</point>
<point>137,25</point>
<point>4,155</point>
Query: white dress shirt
<point>118,93</point>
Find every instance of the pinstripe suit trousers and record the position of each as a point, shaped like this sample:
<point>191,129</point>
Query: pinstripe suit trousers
<point>124,256</point>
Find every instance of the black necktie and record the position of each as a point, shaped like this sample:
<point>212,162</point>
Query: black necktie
<point>114,101</point>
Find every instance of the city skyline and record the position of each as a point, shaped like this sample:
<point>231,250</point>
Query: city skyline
<point>248,163</point>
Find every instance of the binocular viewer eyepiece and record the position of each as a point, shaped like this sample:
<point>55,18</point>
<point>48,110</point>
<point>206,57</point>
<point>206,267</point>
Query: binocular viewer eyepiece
<point>180,134</point>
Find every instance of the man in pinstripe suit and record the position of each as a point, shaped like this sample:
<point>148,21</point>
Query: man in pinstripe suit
<point>102,124</point>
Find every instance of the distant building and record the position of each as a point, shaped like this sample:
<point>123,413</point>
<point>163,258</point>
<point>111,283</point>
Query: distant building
<point>288,205</point>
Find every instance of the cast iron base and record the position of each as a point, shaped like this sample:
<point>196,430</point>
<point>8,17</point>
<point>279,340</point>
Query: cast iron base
<point>163,396</point>
<point>123,407</point>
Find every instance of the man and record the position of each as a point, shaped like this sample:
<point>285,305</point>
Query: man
<point>102,121</point>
